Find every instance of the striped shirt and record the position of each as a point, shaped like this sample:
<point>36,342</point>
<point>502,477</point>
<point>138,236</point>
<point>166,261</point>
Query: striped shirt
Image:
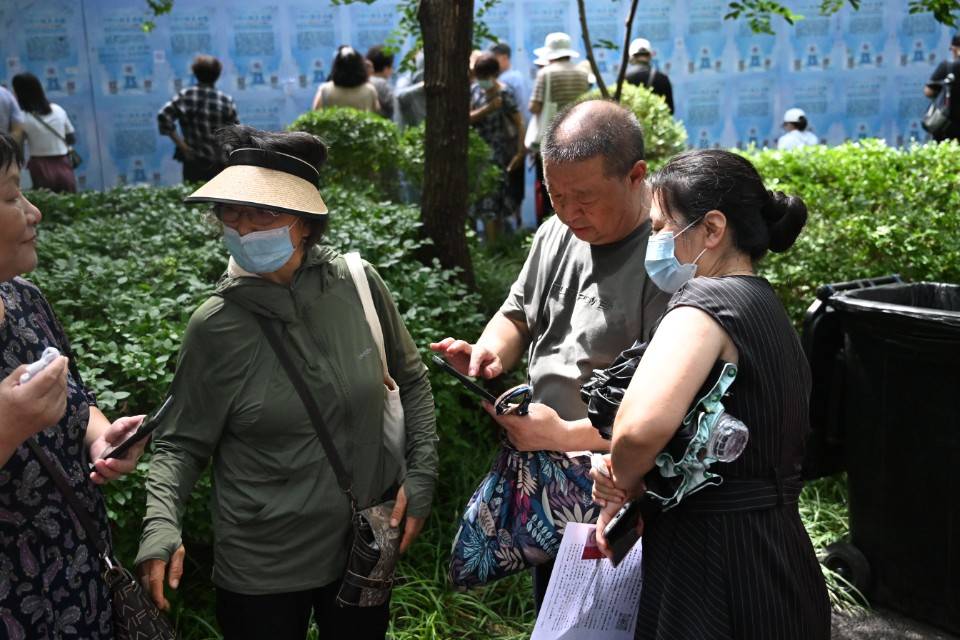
<point>201,110</point>
<point>567,83</point>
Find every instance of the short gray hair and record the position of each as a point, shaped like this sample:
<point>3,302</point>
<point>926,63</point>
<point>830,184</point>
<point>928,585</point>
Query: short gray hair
<point>595,128</point>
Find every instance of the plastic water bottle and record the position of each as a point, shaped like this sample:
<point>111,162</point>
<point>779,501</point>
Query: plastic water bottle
<point>728,439</point>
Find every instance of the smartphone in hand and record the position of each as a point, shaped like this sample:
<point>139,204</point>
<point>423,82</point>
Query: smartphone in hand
<point>515,400</point>
<point>471,386</point>
<point>149,424</point>
<point>621,531</point>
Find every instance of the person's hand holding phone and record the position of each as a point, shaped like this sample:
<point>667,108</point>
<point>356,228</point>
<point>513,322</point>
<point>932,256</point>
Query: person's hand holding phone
<point>541,429</point>
<point>605,489</point>
<point>106,470</point>
<point>473,360</point>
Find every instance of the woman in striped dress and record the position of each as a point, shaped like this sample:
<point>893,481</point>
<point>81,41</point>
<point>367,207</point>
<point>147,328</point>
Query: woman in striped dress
<point>731,561</point>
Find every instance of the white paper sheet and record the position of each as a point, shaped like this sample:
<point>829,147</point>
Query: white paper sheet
<point>587,598</point>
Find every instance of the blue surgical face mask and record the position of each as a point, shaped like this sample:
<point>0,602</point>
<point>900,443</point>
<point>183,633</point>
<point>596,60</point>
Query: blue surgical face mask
<point>485,84</point>
<point>260,251</point>
<point>662,264</point>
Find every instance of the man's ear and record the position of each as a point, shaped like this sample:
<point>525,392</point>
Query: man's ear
<point>638,172</point>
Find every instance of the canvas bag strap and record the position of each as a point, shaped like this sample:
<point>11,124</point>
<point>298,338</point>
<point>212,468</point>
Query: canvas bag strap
<point>300,385</point>
<point>355,265</point>
<point>650,77</point>
<point>546,87</point>
<point>63,139</point>
<point>83,515</point>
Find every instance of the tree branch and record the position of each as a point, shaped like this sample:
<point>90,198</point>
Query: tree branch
<point>589,49</point>
<point>626,51</point>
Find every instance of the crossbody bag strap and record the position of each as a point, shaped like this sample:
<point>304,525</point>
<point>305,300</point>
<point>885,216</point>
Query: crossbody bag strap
<point>355,265</point>
<point>650,77</point>
<point>63,139</point>
<point>60,480</point>
<point>300,385</point>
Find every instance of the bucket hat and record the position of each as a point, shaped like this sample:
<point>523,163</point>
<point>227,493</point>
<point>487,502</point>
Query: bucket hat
<point>556,45</point>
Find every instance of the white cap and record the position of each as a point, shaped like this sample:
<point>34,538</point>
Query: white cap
<point>793,115</point>
<point>640,45</point>
<point>556,45</point>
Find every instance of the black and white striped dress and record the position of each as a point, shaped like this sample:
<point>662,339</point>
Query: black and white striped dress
<point>735,561</point>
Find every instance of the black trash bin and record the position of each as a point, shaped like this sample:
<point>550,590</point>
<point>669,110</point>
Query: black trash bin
<point>900,379</point>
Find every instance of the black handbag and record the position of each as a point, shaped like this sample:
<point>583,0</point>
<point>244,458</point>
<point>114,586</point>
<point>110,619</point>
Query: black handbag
<point>375,549</point>
<point>135,616</point>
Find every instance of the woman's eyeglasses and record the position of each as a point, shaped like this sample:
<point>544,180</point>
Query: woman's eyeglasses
<point>257,216</point>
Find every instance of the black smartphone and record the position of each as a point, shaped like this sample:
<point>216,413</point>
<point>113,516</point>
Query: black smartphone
<point>466,380</point>
<point>621,531</point>
<point>146,427</point>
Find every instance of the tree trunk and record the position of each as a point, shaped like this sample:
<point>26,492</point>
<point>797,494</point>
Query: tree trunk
<point>447,27</point>
<point>588,49</point>
<point>626,51</point>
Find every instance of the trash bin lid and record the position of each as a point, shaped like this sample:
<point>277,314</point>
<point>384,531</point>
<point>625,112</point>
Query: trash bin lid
<point>932,302</point>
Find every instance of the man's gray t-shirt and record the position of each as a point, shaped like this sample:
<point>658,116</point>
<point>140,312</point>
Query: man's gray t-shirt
<point>600,301</point>
<point>9,110</point>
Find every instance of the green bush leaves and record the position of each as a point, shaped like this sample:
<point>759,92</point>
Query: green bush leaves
<point>873,210</point>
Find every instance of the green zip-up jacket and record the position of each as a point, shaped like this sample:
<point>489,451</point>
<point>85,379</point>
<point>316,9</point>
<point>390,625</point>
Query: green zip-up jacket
<point>280,521</point>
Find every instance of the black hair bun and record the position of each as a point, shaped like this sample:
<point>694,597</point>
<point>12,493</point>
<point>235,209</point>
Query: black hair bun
<point>785,217</point>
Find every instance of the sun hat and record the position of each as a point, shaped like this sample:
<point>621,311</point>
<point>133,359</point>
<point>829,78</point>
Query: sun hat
<point>265,179</point>
<point>794,115</point>
<point>556,45</point>
<point>640,45</point>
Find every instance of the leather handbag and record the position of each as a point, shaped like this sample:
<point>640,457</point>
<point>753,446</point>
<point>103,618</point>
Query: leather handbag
<point>394,429</point>
<point>375,549</point>
<point>135,616</point>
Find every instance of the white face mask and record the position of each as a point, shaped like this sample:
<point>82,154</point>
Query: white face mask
<point>485,84</point>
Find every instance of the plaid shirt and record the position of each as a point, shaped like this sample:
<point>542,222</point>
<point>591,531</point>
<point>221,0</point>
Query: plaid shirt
<point>201,110</point>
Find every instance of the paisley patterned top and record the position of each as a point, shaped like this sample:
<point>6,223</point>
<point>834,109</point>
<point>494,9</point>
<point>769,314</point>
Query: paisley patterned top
<point>50,576</point>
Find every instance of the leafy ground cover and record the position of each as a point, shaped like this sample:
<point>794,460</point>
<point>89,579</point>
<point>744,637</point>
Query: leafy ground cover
<point>125,269</point>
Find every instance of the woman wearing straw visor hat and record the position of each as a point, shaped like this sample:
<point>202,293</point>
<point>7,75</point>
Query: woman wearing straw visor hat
<point>281,504</point>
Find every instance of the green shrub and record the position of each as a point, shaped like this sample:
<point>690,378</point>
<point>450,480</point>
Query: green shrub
<point>482,175</point>
<point>873,210</point>
<point>364,148</point>
<point>369,154</point>
<point>663,136</point>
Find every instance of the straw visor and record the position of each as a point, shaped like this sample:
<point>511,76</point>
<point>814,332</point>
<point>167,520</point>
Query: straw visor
<point>265,179</point>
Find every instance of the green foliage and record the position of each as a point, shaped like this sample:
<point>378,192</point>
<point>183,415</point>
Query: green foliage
<point>663,136</point>
<point>483,175</point>
<point>873,210</point>
<point>364,148</point>
<point>944,11</point>
<point>369,154</point>
<point>759,13</point>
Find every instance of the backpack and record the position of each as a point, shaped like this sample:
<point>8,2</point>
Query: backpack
<point>938,119</point>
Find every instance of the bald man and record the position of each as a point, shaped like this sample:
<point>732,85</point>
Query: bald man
<point>583,295</point>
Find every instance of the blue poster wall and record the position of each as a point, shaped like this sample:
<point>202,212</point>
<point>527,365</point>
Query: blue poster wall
<point>857,74</point>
